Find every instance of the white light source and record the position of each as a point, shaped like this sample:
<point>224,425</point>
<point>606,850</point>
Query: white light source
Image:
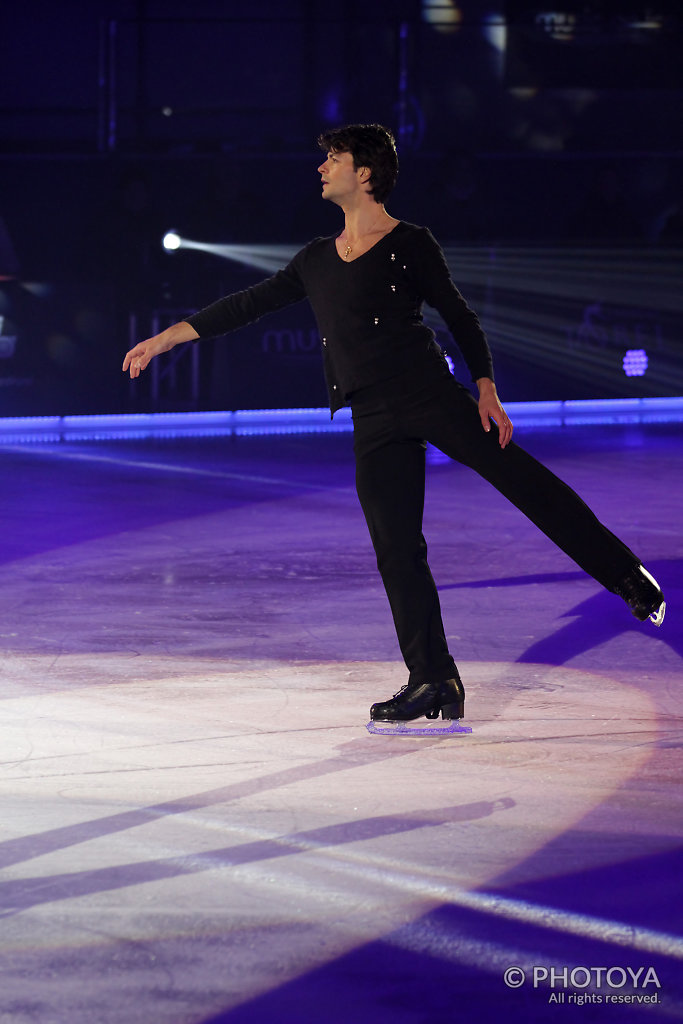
<point>443,15</point>
<point>171,240</point>
<point>495,31</point>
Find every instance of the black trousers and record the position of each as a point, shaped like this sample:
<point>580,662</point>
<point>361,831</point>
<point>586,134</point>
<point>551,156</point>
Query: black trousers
<point>393,421</point>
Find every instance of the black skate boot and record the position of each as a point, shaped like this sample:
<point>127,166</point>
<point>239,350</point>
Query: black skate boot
<point>643,595</point>
<point>421,699</point>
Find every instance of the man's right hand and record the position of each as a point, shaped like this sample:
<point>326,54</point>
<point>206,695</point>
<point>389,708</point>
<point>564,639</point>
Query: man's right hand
<point>139,357</point>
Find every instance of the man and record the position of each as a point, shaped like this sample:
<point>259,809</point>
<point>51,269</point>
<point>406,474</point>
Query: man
<point>367,286</point>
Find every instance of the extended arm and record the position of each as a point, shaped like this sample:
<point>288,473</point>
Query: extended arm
<point>227,314</point>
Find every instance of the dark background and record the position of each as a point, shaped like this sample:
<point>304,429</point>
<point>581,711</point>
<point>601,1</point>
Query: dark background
<point>543,149</point>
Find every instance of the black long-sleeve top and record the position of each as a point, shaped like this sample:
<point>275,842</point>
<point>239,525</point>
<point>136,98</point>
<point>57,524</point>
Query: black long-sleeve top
<point>368,311</point>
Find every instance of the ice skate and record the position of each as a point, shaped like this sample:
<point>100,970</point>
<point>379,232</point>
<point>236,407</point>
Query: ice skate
<point>643,595</point>
<point>417,700</point>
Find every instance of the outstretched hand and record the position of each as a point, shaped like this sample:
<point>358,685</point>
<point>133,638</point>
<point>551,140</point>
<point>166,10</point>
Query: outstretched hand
<point>139,357</point>
<point>491,409</point>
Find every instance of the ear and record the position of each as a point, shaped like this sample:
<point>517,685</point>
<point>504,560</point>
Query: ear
<point>364,174</point>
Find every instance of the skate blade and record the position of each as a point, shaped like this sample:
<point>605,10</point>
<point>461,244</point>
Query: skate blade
<point>658,616</point>
<point>453,728</point>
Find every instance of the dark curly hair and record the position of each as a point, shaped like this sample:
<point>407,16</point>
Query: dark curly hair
<point>370,145</point>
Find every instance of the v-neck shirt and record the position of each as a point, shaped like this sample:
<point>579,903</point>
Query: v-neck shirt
<point>368,310</point>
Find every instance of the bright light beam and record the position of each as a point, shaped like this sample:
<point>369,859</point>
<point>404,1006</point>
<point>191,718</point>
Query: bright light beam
<point>270,258</point>
<point>171,241</point>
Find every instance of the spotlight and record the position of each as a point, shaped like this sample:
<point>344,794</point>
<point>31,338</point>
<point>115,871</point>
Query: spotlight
<point>171,241</point>
<point>495,31</point>
<point>635,362</point>
<point>443,15</point>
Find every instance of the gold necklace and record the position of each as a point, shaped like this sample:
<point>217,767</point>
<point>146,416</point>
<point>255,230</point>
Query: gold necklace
<point>349,248</point>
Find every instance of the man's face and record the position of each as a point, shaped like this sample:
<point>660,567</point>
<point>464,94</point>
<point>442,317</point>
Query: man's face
<point>340,180</point>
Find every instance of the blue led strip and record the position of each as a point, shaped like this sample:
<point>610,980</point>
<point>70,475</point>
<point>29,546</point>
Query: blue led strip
<point>243,422</point>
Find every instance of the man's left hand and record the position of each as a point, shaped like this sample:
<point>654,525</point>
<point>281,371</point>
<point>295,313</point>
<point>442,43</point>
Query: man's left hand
<point>491,409</point>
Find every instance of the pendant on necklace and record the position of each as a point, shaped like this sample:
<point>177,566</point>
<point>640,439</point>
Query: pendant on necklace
<point>348,251</point>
